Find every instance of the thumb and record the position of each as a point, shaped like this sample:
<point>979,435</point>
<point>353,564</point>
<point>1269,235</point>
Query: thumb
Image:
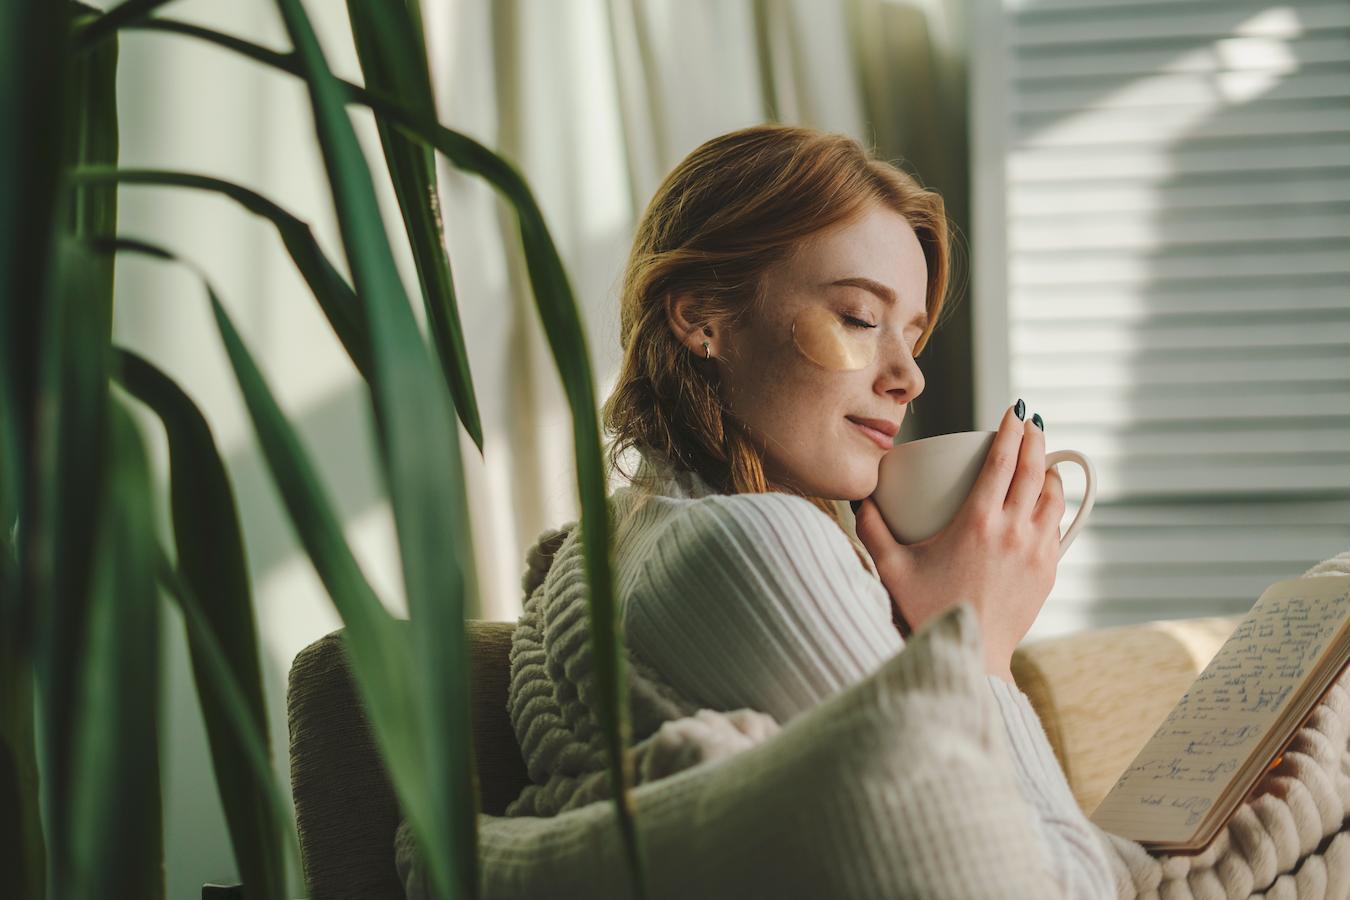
<point>890,556</point>
<point>876,536</point>
<point>872,529</point>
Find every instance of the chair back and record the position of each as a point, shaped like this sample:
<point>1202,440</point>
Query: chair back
<point>345,808</point>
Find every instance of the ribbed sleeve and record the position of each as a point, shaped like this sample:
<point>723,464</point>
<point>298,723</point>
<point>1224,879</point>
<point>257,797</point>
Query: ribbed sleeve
<point>1078,856</point>
<point>757,600</point>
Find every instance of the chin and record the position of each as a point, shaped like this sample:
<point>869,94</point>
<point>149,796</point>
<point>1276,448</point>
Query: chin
<point>855,481</point>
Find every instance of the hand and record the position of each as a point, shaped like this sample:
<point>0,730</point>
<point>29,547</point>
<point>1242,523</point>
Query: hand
<point>1000,551</point>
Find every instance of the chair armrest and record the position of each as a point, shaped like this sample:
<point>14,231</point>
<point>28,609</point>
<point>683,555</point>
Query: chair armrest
<point>1101,694</point>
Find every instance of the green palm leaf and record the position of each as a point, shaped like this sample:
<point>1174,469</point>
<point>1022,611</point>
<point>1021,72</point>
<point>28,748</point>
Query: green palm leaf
<point>336,298</point>
<point>114,776</point>
<point>75,575</point>
<point>390,47</point>
<point>419,448</point>
<point>94,32</point>
<point>231,704</point>
<point>97,612</point>
<point>33,46</point>
<point>93,141</point>
<point>211,560</point>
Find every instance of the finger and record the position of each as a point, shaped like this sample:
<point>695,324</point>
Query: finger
<point>1030,475</point>
<point>1050,507</point>
<point>991,486</point>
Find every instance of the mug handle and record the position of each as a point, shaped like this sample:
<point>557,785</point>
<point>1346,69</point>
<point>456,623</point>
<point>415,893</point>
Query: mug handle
<point>1089,492</point>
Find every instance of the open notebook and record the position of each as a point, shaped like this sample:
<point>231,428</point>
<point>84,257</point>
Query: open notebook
<point>1236,718</point>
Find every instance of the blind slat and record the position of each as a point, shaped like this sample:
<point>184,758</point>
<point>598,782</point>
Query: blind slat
<point>1209,90</point>
<point>1102,198</point>
<point>1109,25</point>
<point>1184,447</point>
<point>1215,519</point>
<point>1161,407</point>
<point>1253,54</point>
<point>1109,338</point>
<point>1250,545</point>
<point>1131,232</point>
<point>1327,152</point>
<point>1044,372</point>
<point>1163,126</point>
<point>1088,269</point>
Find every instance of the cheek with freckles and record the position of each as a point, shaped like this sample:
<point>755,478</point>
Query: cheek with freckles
<point>794,391</point>
<point>782,394</point>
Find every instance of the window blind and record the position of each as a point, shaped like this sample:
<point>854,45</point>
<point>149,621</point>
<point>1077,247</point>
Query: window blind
<point>1161,249</point>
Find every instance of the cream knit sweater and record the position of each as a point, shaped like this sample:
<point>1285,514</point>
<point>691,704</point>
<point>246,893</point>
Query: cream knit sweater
<point>752,603</point>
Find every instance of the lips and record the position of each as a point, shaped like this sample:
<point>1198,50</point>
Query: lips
<point>888,428</point>
<point>882,439</point>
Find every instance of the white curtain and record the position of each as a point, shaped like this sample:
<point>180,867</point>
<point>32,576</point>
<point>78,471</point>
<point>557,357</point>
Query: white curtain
<point>596,101</point>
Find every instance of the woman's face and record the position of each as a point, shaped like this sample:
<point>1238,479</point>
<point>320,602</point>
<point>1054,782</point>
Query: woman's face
<point>799,368</point>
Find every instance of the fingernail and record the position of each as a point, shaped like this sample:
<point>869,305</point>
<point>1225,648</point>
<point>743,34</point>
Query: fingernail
<point>854,504</point>
<point>1038,421</point>
<point>1020,409</point>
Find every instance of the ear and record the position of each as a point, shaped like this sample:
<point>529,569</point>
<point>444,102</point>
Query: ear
<point>682,312</point>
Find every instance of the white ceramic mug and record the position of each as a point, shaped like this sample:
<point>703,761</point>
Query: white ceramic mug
<point>922,484</point>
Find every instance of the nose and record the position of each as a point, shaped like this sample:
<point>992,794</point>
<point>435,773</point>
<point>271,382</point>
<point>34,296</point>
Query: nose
<point>901,376</point>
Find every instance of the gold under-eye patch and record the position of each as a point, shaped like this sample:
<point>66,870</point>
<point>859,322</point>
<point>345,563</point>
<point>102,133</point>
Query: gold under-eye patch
<point>822,337</point>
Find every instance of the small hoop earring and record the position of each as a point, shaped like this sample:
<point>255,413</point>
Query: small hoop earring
<point>706,355</point>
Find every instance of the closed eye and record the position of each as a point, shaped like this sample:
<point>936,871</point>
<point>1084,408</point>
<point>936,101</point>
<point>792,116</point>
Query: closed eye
<point>857,323</point>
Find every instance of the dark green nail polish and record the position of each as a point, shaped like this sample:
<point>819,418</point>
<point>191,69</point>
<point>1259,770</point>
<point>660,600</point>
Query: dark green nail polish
<point>1038,422</point>
<point>1020,410</point>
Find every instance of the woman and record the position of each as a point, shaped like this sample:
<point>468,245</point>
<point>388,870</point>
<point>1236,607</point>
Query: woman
<point>780,286</point>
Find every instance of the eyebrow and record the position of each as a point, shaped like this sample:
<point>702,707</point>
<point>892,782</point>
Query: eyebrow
<point>881,290</point>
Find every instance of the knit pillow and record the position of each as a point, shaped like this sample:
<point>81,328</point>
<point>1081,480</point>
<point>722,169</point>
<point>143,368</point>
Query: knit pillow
<point>901,785</point>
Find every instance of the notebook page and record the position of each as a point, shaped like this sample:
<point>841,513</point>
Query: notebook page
<point>1181,772</point>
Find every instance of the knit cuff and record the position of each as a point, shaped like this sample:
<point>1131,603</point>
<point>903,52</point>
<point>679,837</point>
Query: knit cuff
<point>1034,759</point>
